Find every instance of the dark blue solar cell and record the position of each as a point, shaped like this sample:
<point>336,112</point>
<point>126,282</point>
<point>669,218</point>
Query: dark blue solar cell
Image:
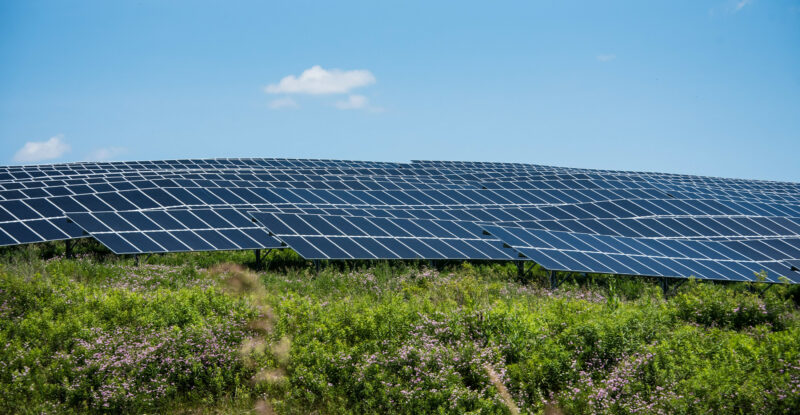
<point>297,225</point>
<point>389,227</point>
<point>512,196</point>
<point>134,196</point>
<point>376,248</point>
<point>33,193</point>
<point>5,239</point>
<point>212,218</point>
<point>396,246</point>
<point>352,249</point>
<point>463,250</point>
<point>205,196</point>
<point>568,263</point>
<point>19,209</point>
<point>268,195</point>
<point>552,240</point>
<point>321,225</point>
<point>46,230</point>
<point>422,248</point>
<point>20,232</point>
<point>227,196</point>
<point>163,220</point>
<point>192,240</point>
<point>410,227</point>
<point>58,191</point>
<point>116,201</point>
<point>421,198</point>
<point>216,239</point>
<point>234,217</point>
<point>386,197</point>
<point>114,221</point>
<point>309,196</point>
<point>745,250</point>
<point>703,249</point>
<point>142,243</point>
<point>88,222</point>
<point>241,239</point>
<point>247,195</point>
<point>115,243</point>
<point>444,248</point>
<point>119,186</point>
<point>189,220</point>
<point>456,229</point>
<point>345,226</point>
<point>639,228</point>
<point>590,263</point>
<point>167,241</point>
<point>572,225</point>
<point>736,226</point>
<point>262,238</point>
<point>766,248</point>
<point>476,196</point>
<point>184,196</point>
<point>488,249</point>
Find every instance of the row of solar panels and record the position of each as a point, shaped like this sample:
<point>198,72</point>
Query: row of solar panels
<point>713,228</point>
<point>83,169</point>
<point>356,237</point>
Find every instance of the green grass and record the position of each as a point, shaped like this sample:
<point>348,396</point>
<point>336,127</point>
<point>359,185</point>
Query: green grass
<point>185,333</point>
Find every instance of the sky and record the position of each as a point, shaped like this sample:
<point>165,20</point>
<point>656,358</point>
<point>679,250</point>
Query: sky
<point>694,87</point>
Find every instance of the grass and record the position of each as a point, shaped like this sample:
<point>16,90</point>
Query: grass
<point>204,333</point>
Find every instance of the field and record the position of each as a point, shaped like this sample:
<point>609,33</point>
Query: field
<point>205,333</point>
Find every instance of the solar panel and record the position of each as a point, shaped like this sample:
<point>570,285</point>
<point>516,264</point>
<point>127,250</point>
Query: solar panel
<point>579,252</point>
<point>716,227</point>
<point>176,230</point>
<point>355,237</point>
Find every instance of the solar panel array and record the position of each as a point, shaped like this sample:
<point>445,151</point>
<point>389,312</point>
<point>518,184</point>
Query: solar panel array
<point>565,219</point>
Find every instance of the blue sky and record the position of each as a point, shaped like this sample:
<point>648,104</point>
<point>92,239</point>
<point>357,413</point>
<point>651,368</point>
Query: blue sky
<point>698,87</point>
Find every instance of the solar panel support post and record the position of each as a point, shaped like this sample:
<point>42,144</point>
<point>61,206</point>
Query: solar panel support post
<point>135,260</point>
<point>553,280</point>
<point>257,253</point>
<point>316,265</point>
<point>68,248</point>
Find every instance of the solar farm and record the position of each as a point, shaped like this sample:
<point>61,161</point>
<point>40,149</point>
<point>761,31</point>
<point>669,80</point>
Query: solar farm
<point>563,219</point>
<point>420,287</point>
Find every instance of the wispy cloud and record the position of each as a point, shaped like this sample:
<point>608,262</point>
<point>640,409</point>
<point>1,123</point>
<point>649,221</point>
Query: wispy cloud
<point>741,4</point>
<point>34,151</point>
<point>606,57</point>
<point>353,102</point>
<point>105,154</point>
<point>317,80</point>
<point>356,102</point>
<point>283,103</point>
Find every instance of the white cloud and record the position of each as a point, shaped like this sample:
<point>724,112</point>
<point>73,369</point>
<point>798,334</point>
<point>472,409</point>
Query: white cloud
<point>608,57</point>
<point>357,102</point>
<point>104,154</point>
<point>741,4</point>
<point>317,80</point>
<point>353,102</point>
<point>33,151</point>
<point>285,102</point>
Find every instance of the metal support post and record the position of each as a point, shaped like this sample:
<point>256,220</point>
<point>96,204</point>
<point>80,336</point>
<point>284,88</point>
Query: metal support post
<point>257,252</point>
<point>135,260</point>
<point>68,248</point>
<point>316,265</point>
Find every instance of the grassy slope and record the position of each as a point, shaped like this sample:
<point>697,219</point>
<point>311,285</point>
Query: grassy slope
<point>184,334</point>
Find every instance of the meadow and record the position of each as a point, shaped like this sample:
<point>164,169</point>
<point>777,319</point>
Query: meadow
<point>207,333</point>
